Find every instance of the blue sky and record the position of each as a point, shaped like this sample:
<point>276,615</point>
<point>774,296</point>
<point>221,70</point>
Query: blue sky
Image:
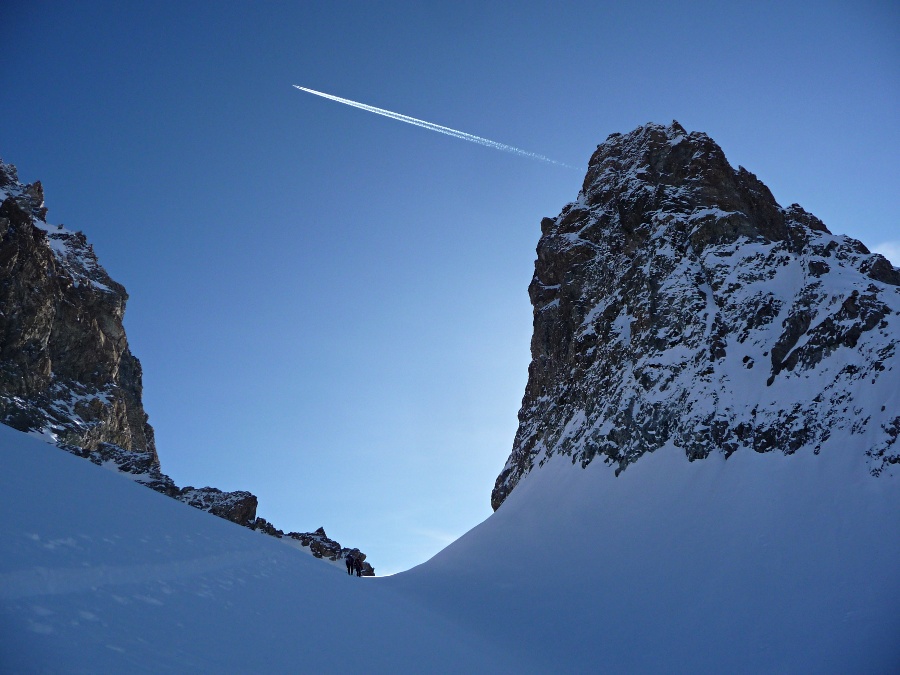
<point>331,306</point>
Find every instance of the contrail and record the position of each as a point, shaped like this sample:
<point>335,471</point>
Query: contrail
<point>437,127</point>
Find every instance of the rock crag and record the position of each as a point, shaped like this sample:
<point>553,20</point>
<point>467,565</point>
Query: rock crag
<point>66,371</point>
<point>675,302</point>
<point>65,366</point>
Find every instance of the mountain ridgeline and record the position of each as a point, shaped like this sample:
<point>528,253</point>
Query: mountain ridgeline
<point>676,303</point>
<point>66,371</point>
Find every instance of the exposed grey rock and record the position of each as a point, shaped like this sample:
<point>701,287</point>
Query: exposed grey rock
<point>675,302</point>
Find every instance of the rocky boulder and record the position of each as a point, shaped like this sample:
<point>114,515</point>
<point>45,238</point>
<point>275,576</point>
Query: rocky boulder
<point>323,547</point>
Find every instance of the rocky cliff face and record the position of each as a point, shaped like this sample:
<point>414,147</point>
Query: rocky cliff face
<point>66,372</point>
<point>675,302</point>
<point>65,367</point>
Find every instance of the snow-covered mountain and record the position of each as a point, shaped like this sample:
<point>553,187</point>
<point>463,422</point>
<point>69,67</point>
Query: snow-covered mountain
<point>732,356</point>
<point>734,367</point>
<point>675,302</point>
<point>67,374</point>
<point>761,563</point>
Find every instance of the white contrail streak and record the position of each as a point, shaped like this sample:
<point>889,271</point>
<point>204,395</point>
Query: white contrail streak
<point>436,127</point>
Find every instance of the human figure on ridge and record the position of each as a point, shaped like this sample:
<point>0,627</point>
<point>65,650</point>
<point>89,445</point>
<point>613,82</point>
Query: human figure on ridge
<point>357,565</point>
<point>351,563</point>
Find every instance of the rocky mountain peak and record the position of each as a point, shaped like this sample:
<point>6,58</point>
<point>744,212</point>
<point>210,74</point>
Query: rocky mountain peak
<point>677,303</point>
<point>29,198</point>
<point>673,170</point>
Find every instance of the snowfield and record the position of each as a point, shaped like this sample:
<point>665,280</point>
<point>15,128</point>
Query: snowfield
<point>101,575</point>
<point>761,563</point>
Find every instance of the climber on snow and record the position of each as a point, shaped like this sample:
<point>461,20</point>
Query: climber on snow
<point>351,563</point>
<point>357,565</point>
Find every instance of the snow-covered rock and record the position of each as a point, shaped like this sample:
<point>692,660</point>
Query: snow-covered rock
<point>747,561</point>
<point>703,478</point>
<point>324,547</point>
<point>675,302</point>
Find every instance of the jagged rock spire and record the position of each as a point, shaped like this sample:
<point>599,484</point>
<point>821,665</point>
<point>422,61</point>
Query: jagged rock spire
<point>675,302</point>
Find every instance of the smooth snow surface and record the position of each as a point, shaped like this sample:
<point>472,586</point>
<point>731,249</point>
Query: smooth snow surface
<point>101,575</point>
<point>761,563</point>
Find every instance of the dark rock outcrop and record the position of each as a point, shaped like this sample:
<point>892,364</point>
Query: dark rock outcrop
<point>318,543</point>
<point>676,303</point>
<point>323,547</point>
<point>65,367</point>
<point>238,507</point>
<point>66,372</point>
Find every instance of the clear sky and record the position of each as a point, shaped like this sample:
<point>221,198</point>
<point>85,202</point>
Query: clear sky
<point>331,306</point>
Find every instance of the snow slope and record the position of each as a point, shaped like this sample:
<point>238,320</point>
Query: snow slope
<point>758,563</point>
<point>100,575</point>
